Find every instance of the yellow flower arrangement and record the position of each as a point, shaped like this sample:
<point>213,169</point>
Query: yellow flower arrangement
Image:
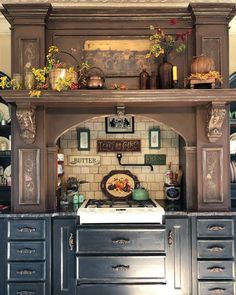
<point>163,44</point>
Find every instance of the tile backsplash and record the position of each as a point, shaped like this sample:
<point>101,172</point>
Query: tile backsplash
<point>152,180</point>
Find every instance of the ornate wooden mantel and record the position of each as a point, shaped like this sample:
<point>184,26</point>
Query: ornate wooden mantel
<point>214,100</point>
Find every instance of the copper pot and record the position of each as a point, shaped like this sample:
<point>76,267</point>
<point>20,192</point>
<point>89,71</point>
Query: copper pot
<point>95,79</point>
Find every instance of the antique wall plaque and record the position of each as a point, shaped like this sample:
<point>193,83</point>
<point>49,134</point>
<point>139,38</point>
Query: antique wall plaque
<point>117,145</point>
<point>29,178</point>
<point>212,175</point>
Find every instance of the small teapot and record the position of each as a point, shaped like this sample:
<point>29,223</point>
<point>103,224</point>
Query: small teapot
<point>140,194</point>
<point>95,79</point>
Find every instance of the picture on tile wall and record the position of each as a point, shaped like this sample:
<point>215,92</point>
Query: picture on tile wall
<point>119,124</point>
<point>154,138</point>
<point>83,138</point>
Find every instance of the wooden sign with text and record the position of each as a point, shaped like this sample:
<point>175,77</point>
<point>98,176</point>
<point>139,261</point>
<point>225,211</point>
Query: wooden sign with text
<point>117,145</point>
<point>155,159</point>
<point>84,160</point>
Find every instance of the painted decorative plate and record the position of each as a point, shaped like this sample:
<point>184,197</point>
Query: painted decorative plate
<point>7,172</point>
<point>118,184</point>
<point>4,113</point>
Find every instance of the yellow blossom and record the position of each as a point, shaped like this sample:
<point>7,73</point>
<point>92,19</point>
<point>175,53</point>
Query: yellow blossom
<point>34,93</point>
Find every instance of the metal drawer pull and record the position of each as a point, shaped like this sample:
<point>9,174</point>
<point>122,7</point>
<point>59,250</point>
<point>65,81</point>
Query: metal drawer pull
<point>26,251</point>
<point>26,229</point>
<point>170,238</point>
<point>25,292</point>
<point>217,290</point>
<point>120,267</point>
<point>216,249</point>
<point>216,228</point>
<point>216,269</point>
<point>120,241</point>
<point>27,272</point>
<point>71,241</point>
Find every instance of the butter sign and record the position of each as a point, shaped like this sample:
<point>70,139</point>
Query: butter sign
<point>84,160</point>
<point>110,145</point>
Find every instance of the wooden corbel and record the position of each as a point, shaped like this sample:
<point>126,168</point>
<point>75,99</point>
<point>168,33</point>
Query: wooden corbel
<point>26,119</point>
<point>215,117</point>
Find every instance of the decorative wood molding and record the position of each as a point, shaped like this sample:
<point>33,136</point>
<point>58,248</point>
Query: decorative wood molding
<point>215,117</point>
<point>29,177</point>
<point>212,177</point>
<point>26,120</point>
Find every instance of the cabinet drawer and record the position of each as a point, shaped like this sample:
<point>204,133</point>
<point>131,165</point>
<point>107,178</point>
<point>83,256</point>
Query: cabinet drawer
<point>29,250</point>
<point>216,288</point>
<point>215,228</point>
<point>26,271</point>
<point>26,289</point>
<point>26,229</point>
<point>150,268</point>
<point>116,289</point>
<point>117,240</point>
<point>215,249</point>
<point>216,270</point>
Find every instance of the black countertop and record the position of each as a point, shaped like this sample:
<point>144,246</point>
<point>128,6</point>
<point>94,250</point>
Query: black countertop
<point>171,209</point>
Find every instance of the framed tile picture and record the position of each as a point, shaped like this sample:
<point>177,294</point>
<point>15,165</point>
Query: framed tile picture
<point>83,138</point>
<point>154,138</point>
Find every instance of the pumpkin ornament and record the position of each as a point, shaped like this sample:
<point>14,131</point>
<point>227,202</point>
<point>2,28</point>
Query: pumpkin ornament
<point>203,72</point>
<point>202,64</point>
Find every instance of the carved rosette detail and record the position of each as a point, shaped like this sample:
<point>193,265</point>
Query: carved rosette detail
<point>215,118</point>
<point>26,120</point>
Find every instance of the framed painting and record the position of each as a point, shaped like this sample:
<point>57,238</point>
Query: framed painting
<point>83,138</point>
<point>117,124</point>
<point>154,138</point>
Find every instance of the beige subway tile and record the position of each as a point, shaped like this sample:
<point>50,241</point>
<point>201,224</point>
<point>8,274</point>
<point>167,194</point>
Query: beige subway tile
<point>89,177</point>
<point>106,161</point>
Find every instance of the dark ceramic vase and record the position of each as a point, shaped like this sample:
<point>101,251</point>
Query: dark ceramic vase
<point>165,74</point>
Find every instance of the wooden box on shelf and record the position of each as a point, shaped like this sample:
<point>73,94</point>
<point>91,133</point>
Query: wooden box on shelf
<point>198,82</point>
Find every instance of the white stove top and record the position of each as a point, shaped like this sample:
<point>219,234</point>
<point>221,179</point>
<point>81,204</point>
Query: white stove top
<point>120,212</point>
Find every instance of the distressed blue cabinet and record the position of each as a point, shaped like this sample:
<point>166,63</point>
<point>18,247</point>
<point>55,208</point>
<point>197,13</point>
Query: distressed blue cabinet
<point>213,255</point>
<point>28,257</point>
<point>2,255</point>
<point>178,256</point>
<point>64,276</point>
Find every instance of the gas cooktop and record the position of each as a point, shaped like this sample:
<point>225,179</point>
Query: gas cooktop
<point>120,211</point>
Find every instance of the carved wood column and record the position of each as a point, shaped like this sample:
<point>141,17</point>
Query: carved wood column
<point>211,24</point>
<point>191,177</point>
<point>28,34</point>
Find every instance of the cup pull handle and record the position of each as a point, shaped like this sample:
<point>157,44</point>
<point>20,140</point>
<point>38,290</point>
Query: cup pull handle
<point>120,267</point>
<point>120,241</point>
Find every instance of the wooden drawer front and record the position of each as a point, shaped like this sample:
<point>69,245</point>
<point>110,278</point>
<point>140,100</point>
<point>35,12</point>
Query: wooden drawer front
<point>216,270</point>
<point>121,240</point>
<point>26,289</point>
<point>116,289</point>
<point>215,249</point>
<point>215,288</point>
<point>26,271</point>
<point>30,250</point>
<point>26,229</point>
<point>128,267</point>
<point>215,228</point>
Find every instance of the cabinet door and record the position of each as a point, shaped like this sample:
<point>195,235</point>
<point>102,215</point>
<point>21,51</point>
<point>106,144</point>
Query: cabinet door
<point>64,263</point>
<point>178,256</point>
